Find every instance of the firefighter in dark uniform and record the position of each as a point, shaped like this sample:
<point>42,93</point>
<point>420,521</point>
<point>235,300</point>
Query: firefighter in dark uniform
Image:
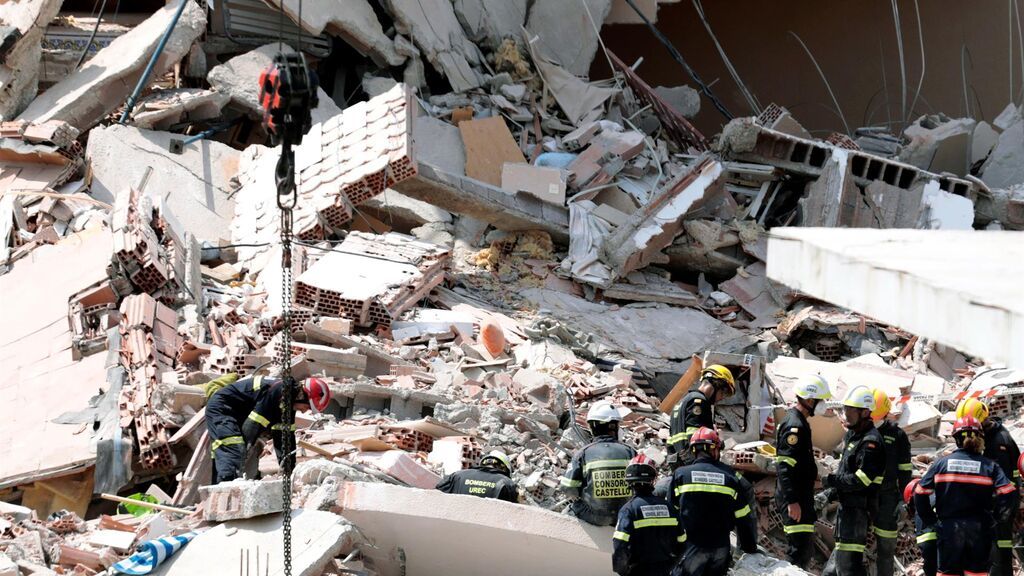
<point>926,537</point>
<point>797,469</point>
<point>695,410</point>
<point>238,413</point>
<point>710,504</point>
<point>647,537</point>
<point>596,478</point>
<point>1000,447</point>
<point>970,492</point>
<point>855,484</point>
<point>489,479</point>
<point>898,471</point>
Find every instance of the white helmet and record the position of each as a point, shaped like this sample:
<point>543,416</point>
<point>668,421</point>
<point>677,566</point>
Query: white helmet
<point>499,457</point>
<point>604,412</point>
<point>860,397</point>
<point>812,387</point>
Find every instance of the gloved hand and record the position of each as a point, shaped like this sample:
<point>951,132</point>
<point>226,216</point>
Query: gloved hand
<point>901,510</point>
<point>821,499</point>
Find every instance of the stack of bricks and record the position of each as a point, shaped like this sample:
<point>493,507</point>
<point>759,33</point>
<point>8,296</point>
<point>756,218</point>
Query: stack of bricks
<point>149,344</point>
<point>356,156</point>
<point>234,355</point>
<point>409,440</point>
<point>409,270</point>
<point>138,249</point>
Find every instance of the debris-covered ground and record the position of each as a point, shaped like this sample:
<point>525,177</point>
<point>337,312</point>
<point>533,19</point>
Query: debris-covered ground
<point>486,244</point>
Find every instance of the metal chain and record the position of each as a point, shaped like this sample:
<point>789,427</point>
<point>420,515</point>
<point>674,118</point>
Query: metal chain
<point>286,196</point>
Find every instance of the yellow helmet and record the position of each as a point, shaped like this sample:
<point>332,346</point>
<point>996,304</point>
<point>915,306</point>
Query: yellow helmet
<point>882,405</point>
<point>720,373</point>
<point>860,397</point>
<point>972,407</point>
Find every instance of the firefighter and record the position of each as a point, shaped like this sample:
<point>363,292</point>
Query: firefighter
<point>970,492</point>
<point>797,470</point>
<point>239,412</point>
<point>596,478</point>
<point>855,484</point>
<point>1000,447</point>
<point>925,533</point>
<point>710,503</point>
<point>694,410</point>
<point>489,479</point>
<point>898,471</point>
<point>647,537</point>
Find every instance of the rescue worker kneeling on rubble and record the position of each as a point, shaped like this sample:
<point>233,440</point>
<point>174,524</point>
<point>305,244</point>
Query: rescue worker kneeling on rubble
<point>797,469</point>
<point>596,478</point>
<point>710,503</point>
<point>970,492</point>
<point>239,412</point>
<point>926,538</point>
<point>695,410</point>
<point>1001,448</point>
<point>855,484</point>
<point>898,471</point>
<point>647,537</point>
<point>489,479</point>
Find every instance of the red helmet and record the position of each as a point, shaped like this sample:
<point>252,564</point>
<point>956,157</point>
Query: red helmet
<point>966,424</point>
<point>641,469</point>
<point>705,436</point>
<point>908,492</point>
<point>1020,464</point>
<point>318,392</point>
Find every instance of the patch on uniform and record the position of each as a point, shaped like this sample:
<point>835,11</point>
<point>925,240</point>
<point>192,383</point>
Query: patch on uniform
<point>654,511</point>
<point>696,410</point>
<point>968,466</point>
<point>708,477</point>
<point>1002,447</point>
<point>794,430</point>
<point>696,400</point>
<point>609,484</point>
<point>872,445</point>
<point>792,439</point>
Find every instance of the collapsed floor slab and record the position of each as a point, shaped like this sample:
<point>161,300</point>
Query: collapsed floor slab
<point>480,536</point>
<point>961,288</point>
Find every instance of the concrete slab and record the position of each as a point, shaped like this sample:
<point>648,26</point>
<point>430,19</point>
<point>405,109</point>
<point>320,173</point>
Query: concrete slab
<point>35,354</point>
<point>457,535</point>
<point>19,72</point>
<point>354,21</point>
<point>104,82</point>
<point>317,537</point>
<point>568,31</point>
<point>488,22</point>
<point>906,277</point>
<point>435,29</point>
<point>195,185</point>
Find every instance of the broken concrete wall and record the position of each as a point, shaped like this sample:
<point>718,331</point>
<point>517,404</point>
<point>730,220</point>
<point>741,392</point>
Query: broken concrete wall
<point>22,25</point>
<point>568,31</point>
<point>435,29</point>
<point>354,21</point>
<point>106,81</point>
<point>488,22</point>
<point>195,185</point>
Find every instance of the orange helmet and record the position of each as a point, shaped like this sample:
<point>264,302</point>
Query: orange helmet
<point>908,492</point>
<point>318,392</point>
<point>705,436</point>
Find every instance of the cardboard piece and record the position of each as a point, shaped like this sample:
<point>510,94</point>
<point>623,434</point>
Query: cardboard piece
<point>489,144</point>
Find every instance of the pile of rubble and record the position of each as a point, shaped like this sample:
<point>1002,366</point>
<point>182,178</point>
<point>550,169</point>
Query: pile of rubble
<point>484,246</point>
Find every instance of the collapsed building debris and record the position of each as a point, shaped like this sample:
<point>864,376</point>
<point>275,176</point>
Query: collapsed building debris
<point>487,243</point>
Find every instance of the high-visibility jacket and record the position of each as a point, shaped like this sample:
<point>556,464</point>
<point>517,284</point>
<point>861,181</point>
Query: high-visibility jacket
<point>1000,446</point>
<point>647,537</point>
<point>795,463</point>
<point>965,485</point>
<point>597,479</point>
<point>255,404</point>
<point>689,414</point>
<point>861,470</point>
<point>898,469</point>
<point>711,502</point>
